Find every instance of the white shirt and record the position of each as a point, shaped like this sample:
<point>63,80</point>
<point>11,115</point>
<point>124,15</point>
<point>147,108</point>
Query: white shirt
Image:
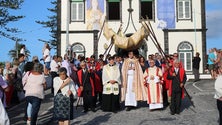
<point>65,64</point>
<point>54,66</point>
<point>176,70</point>
<point>47,53</point>
<point>22,51</point>
<point>57,82</point>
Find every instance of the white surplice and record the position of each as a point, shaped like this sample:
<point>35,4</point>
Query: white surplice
<point>130,94</point>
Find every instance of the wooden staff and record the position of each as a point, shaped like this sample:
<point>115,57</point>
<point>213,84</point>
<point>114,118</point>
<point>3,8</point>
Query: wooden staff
<point>153,38</point>
<point>100,33</point>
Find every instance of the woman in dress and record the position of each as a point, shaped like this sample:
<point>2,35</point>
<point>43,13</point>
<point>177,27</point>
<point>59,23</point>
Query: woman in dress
<point>64,90</point>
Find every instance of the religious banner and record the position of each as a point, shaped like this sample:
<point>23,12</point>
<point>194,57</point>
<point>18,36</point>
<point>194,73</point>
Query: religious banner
<point>95,14</point>
<point>166,14</point>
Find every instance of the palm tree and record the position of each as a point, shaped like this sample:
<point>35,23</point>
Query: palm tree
<point>13,53</point>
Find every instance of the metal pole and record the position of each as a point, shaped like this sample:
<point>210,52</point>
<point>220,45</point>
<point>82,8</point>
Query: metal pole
<point>67,25</point>
<point>195,30</point>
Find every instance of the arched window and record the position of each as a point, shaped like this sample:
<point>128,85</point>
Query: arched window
<point>79,49</point>
<point>185,51</point>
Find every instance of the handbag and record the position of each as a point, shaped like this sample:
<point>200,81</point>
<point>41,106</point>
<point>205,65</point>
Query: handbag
<point>29,72</point>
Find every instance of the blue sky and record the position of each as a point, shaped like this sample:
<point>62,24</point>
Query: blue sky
<point>37,10</point>
<point>214,23</point>
<point>33,10</point>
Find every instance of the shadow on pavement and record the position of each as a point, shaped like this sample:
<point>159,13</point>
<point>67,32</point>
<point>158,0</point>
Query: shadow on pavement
<point>97,120</point>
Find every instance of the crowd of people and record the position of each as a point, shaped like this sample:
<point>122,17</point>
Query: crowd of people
<point>110,80</point>
<point>215,69</point>
<point>105,82</point>
<point>214,62</point>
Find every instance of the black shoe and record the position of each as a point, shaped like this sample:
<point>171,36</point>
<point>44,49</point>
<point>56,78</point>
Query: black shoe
<point>196,80</point>
<point>115,112</point>
<point>128,108</point>
<point>151,110</point>
<point>172,113</point>
<point>93,110</point>
<point>178,113</point>
<point>85,111</point>
<point>166,104</point>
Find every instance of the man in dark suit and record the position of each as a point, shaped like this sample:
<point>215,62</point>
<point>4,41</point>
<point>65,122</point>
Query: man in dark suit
<point>178,76</point>
<point>196,65</point>
<point>87,87</point>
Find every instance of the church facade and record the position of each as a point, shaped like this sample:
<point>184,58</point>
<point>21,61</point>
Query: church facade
<point>179,25</point>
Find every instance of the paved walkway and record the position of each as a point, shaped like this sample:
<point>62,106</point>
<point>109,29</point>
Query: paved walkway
<point>202,94</point>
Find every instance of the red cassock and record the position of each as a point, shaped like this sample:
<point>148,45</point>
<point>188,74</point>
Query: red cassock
<point>98,83</point>
<point>97,66</point>
<point>79,73</point>
<point>181,73</point>
<point>166,82</point>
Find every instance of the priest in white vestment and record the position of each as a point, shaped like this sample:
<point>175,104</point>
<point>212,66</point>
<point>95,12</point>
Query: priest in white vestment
<point>133,89</point>
<point>152,80</point>
<point>111,85</point>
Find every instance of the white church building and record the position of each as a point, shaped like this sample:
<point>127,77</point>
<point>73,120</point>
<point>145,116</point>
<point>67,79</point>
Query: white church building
<point>179,25</point>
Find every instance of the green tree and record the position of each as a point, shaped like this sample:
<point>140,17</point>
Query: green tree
<point>13,53</point>
<point>52,25</point>
<point>6,9</point>
<point>2,64</point>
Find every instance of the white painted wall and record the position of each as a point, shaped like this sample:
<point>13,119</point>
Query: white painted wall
<point>174,38</point>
